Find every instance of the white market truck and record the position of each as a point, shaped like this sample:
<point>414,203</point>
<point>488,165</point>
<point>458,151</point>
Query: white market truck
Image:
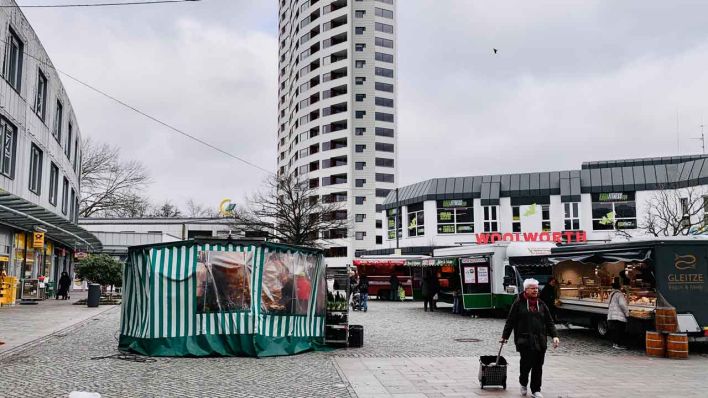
<point>491,276</point>
<point>663,272</point>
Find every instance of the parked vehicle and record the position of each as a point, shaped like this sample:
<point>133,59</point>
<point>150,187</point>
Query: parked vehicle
<point>654,274</point>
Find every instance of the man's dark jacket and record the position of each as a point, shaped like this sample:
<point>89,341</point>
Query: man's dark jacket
<point>531,329</point>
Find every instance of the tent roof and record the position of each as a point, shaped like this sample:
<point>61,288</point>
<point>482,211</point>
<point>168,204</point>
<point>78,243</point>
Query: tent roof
<point>221,241</point>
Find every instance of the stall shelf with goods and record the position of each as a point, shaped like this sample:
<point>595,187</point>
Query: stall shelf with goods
<point>208,297</point>
<point>653,274</point>
<point>337,319</point>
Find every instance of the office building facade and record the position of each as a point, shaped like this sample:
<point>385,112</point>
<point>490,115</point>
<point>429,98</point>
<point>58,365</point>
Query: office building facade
<point>40,160</point>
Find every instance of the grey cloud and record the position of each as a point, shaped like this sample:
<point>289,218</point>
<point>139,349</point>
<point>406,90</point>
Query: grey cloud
<point>573,81</point>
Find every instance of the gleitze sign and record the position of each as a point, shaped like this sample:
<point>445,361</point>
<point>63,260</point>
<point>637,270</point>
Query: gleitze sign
<point>564,236</point>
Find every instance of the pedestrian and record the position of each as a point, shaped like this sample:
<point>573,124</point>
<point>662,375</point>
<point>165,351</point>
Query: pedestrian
<point>426,292</point>
<point>548,295</point>
<point>531,322</point>
<point>393,283</point>
<point>617,314</point>
<point>364,292</point>
<point>353,280</point>
<point>456,307</point>
<point>435,288</point>
<point>64,283</point>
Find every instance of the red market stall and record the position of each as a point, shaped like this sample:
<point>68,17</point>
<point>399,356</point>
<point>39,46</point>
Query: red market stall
<point>379,272</point>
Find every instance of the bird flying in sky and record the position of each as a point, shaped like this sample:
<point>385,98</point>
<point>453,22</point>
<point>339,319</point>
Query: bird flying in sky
<point>495,50</point>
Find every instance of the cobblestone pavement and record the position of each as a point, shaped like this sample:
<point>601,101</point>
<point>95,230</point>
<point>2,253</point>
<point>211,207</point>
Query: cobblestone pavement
<point>407,352</point>
<point>63,364</point>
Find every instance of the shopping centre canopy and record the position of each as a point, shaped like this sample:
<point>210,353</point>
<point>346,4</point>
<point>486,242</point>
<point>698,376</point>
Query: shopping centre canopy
<point>22,214</point>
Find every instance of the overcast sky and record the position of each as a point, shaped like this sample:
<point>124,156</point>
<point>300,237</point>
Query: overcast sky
<point>572,82</point>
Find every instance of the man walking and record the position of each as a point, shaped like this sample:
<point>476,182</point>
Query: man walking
<point>393,283</point>
<point>531,322</point>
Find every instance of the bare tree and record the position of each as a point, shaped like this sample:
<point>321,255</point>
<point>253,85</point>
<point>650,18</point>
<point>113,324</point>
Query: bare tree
<point>674,212</point>
<point>166,210</point>
<point>194,209</point>
<point>134,206</point>
<point>109,186</point>
<point>289,211</point>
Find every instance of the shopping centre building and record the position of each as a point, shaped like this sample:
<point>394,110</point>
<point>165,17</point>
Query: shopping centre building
<point>602,201</point>
<point>40,158</point>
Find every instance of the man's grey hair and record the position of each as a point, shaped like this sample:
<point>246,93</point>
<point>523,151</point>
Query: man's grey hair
<point>530,282</point>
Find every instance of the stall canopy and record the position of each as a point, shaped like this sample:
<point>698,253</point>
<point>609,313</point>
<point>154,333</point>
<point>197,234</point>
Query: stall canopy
<point>222,297</point>
<point>433,262</point>
<point>589,257</point>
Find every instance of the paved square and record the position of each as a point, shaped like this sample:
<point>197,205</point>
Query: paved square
<point>406,353</point>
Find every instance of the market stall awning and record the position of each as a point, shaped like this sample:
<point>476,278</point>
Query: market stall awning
<point>603,257</point>
<point>432,262</point>
<point>379,262</point>
<point>22,214</point>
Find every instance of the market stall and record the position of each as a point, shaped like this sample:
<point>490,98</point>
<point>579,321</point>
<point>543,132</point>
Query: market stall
<point>489,276</point>
<point>379,272</point>
<point>222,297</point>
<point>652,274</point>
<point>444,269</point>
<point>588,283</point>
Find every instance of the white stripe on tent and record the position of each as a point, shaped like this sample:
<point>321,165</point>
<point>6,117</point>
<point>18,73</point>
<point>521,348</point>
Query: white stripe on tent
<point>145,295</point>
<point>150,275</point>
<point>163,282</point>
<point>189,274</point>
<point>157,255</point>
<point>174,297</point>
<point>136,299</point>
<point>145,286</point>
<point>124,303</point>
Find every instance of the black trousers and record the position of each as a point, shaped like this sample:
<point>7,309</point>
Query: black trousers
<point>532,361</point>
<point>617,329</point>
<point>428,301</point>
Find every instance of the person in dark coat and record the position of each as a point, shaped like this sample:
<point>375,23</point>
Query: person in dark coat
<point>531,322</point>
<point>548,295</point>
<point>363,288</point>
<point>393,283</point>
<point>63,288</point>
<point>435,289</point>
<point>426,292</point>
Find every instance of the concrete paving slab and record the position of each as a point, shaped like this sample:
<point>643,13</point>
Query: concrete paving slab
<point>23,324</point>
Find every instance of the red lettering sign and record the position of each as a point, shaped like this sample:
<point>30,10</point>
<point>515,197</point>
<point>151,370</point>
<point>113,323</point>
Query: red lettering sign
<point>558,237</point>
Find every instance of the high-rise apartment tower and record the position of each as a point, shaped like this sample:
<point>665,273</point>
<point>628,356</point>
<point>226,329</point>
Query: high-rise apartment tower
<point>337,110</point>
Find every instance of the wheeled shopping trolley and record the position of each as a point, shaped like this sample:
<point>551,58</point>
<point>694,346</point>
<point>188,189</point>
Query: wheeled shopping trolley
<point>492,370</point>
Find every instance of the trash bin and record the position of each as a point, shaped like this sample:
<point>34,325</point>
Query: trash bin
<point>356,335</point>
<point>94,295</point>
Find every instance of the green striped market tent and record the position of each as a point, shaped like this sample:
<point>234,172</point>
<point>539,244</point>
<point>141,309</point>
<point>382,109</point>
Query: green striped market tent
<point>222,297</point>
